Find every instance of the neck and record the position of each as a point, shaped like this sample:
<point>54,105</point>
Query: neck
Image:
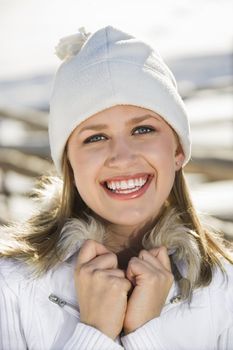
<point>125,242</point>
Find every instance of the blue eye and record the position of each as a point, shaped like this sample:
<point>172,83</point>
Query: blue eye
<point>95,138</point>
<point>143,130</point>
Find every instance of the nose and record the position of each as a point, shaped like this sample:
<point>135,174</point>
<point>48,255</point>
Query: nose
<point>121,155</point>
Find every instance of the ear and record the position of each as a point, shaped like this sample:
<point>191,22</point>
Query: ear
<point>179,157</point>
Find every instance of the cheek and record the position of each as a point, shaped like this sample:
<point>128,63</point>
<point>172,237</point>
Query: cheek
<point>82,182</point>
<point>86,168</point>
<point>160,153</point>
<point>161,158</point>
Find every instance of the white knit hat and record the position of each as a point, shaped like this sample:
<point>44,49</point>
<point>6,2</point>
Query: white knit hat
<point>105,69</point>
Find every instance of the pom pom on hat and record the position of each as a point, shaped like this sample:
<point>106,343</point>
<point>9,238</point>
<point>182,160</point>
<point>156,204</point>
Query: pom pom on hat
<point>105,69</point>
<point>72,44</point>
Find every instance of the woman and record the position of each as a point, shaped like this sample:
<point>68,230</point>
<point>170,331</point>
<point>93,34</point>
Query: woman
<point>116,256</point>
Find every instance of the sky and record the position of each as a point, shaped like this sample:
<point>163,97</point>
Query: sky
<point>30,29</point>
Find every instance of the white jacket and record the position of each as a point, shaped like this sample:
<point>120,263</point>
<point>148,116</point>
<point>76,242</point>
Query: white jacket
<point>43,314</point>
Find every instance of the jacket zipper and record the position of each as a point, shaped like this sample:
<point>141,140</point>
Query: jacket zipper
<point>69,307</point>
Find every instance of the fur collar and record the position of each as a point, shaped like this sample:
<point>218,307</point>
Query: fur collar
<point>169,231</point>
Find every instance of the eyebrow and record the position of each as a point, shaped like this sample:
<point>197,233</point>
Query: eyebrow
<point>135,120</point>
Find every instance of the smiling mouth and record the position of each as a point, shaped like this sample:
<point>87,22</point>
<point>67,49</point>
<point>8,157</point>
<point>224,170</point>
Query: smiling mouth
<point>127,186</point>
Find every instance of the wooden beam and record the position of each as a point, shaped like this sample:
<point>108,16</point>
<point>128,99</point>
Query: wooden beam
<point>213,168</point>
<point>27,165</point>
<point>34,118</point>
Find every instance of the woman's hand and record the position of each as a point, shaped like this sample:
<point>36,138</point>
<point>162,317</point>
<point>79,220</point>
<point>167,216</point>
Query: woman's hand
<point>102,289</point>
<point>150,273</point>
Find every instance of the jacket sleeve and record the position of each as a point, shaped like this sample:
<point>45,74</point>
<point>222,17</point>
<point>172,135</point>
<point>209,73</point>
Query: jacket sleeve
<point>11,333</point>
<point>87,337</point>
<point>222,305</point>
<point>225,341</point>
<point>145,337</point>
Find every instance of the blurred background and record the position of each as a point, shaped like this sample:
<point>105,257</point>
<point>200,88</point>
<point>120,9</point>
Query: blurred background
<point>195,38</point>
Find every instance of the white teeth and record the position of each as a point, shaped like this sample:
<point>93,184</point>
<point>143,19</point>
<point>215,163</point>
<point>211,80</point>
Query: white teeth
<point>123,185</point>
<point>113,185</point>
<point>127,185</point>
<point>131,184</point>
<point>128,191</point>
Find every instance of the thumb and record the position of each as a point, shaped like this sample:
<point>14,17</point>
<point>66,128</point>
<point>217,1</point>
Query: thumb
<point>132,270</point>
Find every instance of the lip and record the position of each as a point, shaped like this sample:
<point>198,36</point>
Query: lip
<point>132,195</point>
<point>125,177</point>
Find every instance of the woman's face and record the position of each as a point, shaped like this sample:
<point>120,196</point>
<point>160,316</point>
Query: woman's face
<point>124,161</point>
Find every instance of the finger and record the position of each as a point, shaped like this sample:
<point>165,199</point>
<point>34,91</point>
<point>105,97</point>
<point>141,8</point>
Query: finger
<point>111,272</point>
<point>147,262</point>
<point>150,258</point>
<point>116,273</point>
<point>130,271</point>
<point>161,254</point>
<point>125,284</point>
<point>89,250</point>
<point>137,267</point>
<point>104,261</point>
<point>113,277</point>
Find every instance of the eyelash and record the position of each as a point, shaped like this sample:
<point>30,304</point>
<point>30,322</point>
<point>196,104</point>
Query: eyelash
<point>148,128</point>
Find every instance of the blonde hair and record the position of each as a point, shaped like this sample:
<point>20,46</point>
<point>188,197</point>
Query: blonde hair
<point>43,241</point>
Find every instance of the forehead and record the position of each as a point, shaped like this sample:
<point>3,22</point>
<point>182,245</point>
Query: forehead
<point>120,116</point>
<point>120,113</point>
